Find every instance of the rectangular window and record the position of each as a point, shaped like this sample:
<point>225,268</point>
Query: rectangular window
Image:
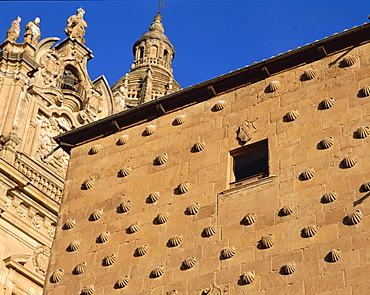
<point>250,163</point>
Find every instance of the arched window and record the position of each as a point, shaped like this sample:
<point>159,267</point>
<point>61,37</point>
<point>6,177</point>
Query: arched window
<point>153,51</point>
<point>165,55</point>
<point>141,52</point>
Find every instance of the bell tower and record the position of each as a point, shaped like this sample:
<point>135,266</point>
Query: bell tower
<point>151,74</point>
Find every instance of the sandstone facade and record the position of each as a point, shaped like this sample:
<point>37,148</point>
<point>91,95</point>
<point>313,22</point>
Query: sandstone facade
<point>158,184</point>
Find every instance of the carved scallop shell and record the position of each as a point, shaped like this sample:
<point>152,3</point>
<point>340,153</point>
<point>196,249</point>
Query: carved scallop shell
<point>162,159</point>
<point>70,223</point>
<point>355,216</point>
<point>274,86</point>
<point>154,196</point>
<point>220,105</point>
<point>335,255</point>
<point>330,197</point>
<point>365,90</point>
<point>189,262</point>
<point>74,245</point>
<point>268,241</point>
<point>250,218</point>
<point>289,268</point>
<point>122,282</point>
<point>88,290</point>
<point>180,119</point>
<point>365,186</point>
<point>209,230</point>
<point>104,236</point>
<point>125,171</point>
<point>248,277</point>
<point>184,187</point>
<point>292,115</point>
<point>109,259</point>
<point>349,161</point>
<point>89,183</point>
<point>158,271</point>
<point>142,250</point>
<point>150,129</point>
<point>80,268</point>
<point>126,206</point>
<point>308,173</point>
<point>176,240</point>
<point>133,228</point>
<point>199,146</point>
<point>310,73</point>
<point>172,292</point>
<point>228,252</point>
<point>363,131</point>
<point>309,231</point>
<point>163,217</point>
<point>193,208</point>
<point>327,142</point>
<point>57,276</point>
<point>328,102</point>
<point>95,149</point>
<point>123,139</point>
<point>287,210</point>
<point>96,214</point>
<point>349,60</point>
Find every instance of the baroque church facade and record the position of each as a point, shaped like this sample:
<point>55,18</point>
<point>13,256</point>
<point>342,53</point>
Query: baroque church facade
<point>45,90</point>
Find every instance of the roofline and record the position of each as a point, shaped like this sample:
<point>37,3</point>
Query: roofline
<point>213,87</point>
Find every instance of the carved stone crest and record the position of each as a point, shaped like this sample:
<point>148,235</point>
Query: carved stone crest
<point>40,259</point>
<point>246,130</point>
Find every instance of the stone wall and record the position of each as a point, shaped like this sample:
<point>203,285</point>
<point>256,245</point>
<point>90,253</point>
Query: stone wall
<point>293,145</point>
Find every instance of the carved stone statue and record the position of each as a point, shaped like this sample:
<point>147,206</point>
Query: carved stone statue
<point>12,34</point>
<point>32,34</point>
<point>76,26</point>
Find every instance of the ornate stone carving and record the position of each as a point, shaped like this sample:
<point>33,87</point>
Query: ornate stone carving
<point>349,60</point>
<point>329,197</point>
<point>180,119</point>
<point>157,272</point>
<point>89,183</point>
<point>125,171</point>
<point>327,142</point>
<point>309,231</point>
<point>126,206</point>
<point>355,216</point>
<point>57,276</point>
<point>123,139</point>
<point>74,245</point>
<point>32,34</point>
<point>122,282</point>
<point>327,103</point>
<point>154,197</point>
<point>250,218</point>
<point>80,268</point>
<point>310,73</point>
<point>220,105</point>
<point>95,149</point>
<point>142,250</point>
<point>289,268</point>
<point>13,33</point>
<point>349,161</point>
<point>163,217</point>
<point>292,115</point>
<point>273,86</point>
<point>214,290</point>
<point>363,131</point>
<point>287,210</point>
<point>365,90</point>
<point>209,230</point>
<point>268,241</point>
<point>246,131</point>
<point>184,187</point>
<point>193,208</point>
<point>109,259</point>
<point>228,252</point>
<point>189,262</point>
<point>104,236</point>
<point>40,259</point>
<point>76,26</point>
<point>88,290</point>
<point>133,228</point>
<point>150,129</point>
<point>365,186</point>
<point>199,146</point>
<point>162,159</point>
<point>96,214</point>
<point>335,255</point>
<point>248,277</point>
<point>175,240</point>
<point>308,173</point>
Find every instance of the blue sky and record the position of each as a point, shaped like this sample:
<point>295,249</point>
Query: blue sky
<point>211,37</point>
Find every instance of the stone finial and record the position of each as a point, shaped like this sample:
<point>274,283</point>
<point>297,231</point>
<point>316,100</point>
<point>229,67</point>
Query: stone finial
<point>76,26</point>
<point>33,33</point>
<point>13,33</point>
<point>157,25</point>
